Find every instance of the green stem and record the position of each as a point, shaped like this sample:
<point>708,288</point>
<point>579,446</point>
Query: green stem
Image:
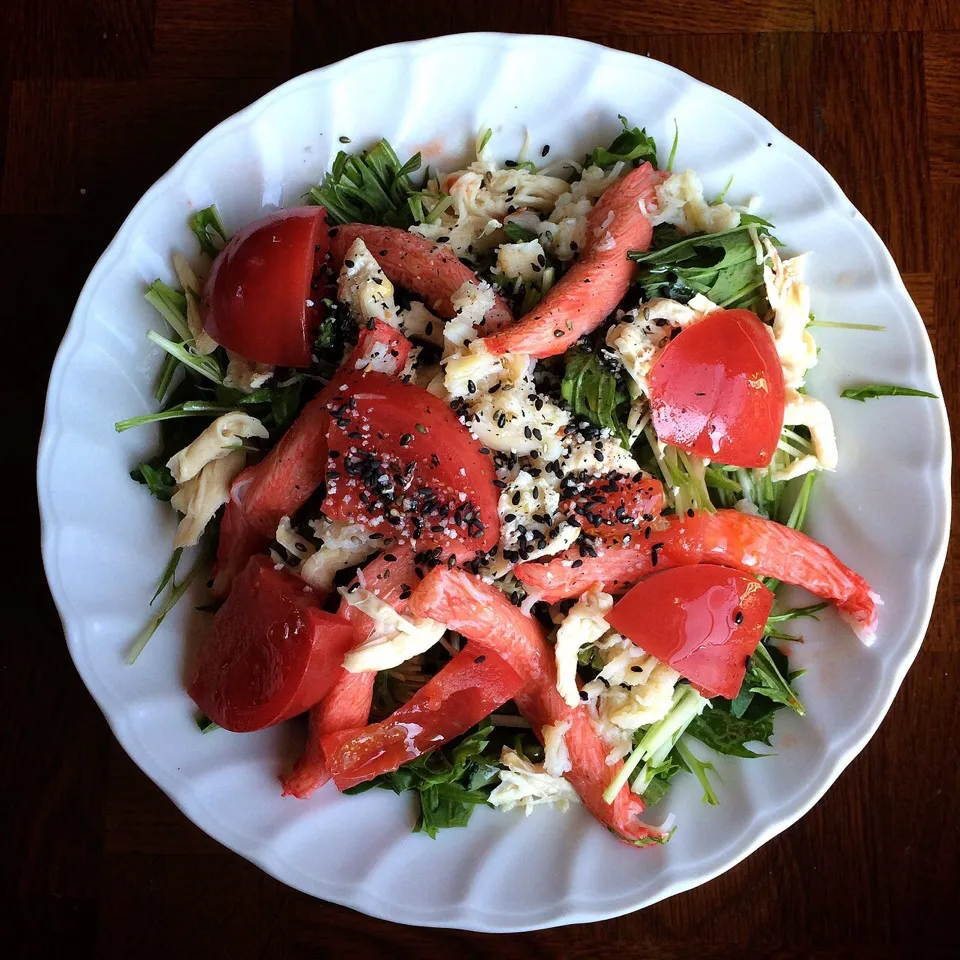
<point>205,366</point>
<point>190,408</point>
<point>176,592</point>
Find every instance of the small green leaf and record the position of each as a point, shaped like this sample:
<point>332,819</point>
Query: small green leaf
<point>209,230</point>
<point>170,571</point>
<point>632,145</point>
<point>700,769</point>
<point>204,723</point>
<point>766,677</point>
<point>873,390</point>
<point>159,480</point>
<point>369,187</point>
<point>595,393</point>
<point>518,234</point>
<point>796,612</point>
<point>177,590</point>
<point>726,733</point>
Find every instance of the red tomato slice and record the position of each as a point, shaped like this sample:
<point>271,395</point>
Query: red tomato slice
<point>255,300</point>
<point>614,507</point>
<point>348,703</point>
<point>273,653</point>
<point>470,687</point>
<point>283,481</point>
<point>717,390</point>
<point>704,620</point>
<point>400,460</point>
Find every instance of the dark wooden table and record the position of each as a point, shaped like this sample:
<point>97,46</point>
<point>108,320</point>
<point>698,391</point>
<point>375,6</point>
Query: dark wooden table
<point>98,98</point>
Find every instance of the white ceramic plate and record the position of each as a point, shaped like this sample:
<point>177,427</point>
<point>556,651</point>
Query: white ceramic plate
<point>105,540</point>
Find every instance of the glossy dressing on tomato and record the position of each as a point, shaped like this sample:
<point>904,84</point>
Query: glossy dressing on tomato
<point>717,390</point>
<point>704,620</point>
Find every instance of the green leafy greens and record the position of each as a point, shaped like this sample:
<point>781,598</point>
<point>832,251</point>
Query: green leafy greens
<point>594,392</point>
<point>726,733</point>
<point>209,230</point>
<point>873,390</point>
<point>721,266</point>
<point>369,187</point>
<point>632,145</point>
<point>450,783</point>
<point>158,479</point>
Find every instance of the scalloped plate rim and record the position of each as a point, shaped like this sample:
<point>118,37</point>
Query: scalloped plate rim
<point>181,793</point>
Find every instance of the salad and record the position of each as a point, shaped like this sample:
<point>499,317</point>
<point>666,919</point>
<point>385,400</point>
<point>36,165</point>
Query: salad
<point>500,470</point>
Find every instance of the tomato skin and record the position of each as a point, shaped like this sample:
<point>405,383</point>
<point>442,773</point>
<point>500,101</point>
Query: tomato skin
<point>468,689</point>
<point>413,442</point>
<point>255,300</point>
<point>272,653</point>
<point>717,390</point>
<point>348,703</point>
<point>704,620</point>
<point>283,481</point>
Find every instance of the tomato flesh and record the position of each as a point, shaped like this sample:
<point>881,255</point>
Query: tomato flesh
<point>255,300</point>
<point>704,620</point>
<point>717,390</point>
<point>272,653</point>
<point>470,687</point>
<point>401,461</point>
<point>280,484</point>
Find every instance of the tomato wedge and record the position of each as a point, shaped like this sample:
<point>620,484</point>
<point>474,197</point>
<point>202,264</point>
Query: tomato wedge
<point>717,390</point>
<point>283,481</point>
<point>255,300</point>
<point>704,620</point>
<point>348,703</point>
<point>272,653</point>
<point>400,460</point>
<point>470,687</point>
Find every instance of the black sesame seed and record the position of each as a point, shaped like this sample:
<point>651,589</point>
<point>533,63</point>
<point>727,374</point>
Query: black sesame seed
<point>584,695</point>
<point>738,617</point>
<point>480,659</point>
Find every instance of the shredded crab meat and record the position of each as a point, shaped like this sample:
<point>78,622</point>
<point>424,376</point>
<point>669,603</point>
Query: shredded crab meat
<point>225,435</point>
<point>364,287</point>
<point>527,785</point>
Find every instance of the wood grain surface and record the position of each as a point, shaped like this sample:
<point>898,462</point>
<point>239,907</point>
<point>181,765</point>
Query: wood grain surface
<point>97,99</point>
